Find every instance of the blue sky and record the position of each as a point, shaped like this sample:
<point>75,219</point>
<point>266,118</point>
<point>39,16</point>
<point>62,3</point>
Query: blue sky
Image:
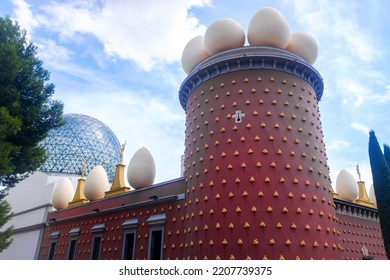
<point>119,61</point>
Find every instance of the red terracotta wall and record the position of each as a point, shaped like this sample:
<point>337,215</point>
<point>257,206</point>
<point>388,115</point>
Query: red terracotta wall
<point>265,179</point>
<point>113,234</point>
<point>358,232</point>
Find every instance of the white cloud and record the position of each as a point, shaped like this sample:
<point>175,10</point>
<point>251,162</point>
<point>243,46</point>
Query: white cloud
<point>336,24</point>
<point>356,41</point>
<point>52,53</point>
<point>360,127</point>
<point>347,49</point>
<point>24,16</point>
<point>337,145</point>
<point>359,101</point>
<point>146,32</point>
<point>358,91</point>
<point>381,97</point>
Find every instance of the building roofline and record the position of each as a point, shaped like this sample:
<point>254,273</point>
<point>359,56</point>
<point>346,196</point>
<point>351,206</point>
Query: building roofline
<point>137,205</point>
<point>152,195</point>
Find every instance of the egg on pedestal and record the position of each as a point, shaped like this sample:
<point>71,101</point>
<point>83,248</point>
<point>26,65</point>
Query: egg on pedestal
<point>62,194</point>
<point>346,186</point>
<point>268,27</point>
<point>141,170</point>
<point>222,35</point>
<point>96,184</point>
<point>193,53</point>
<point>303,45</point>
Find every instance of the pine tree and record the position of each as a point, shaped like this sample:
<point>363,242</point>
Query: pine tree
<point>5,215</point>
<point>27,111</point>
<point>381,178</point>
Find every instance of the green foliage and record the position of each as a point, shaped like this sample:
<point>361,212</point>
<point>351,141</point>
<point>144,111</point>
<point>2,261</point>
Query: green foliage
<point>5,215</point>
<point>381,178</point>
<point>27,111</point>
<point>9,125</point>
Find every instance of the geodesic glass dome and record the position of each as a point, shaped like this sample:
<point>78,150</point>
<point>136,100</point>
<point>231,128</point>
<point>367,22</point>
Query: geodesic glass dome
<point>82,138</point>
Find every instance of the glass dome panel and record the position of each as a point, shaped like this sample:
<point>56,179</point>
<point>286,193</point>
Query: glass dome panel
<point>82,138</point>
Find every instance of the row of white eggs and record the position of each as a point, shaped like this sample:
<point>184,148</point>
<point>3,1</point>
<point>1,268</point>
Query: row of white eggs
<point>348,189</point>
<point>268,27</point>
<point>141,172</point>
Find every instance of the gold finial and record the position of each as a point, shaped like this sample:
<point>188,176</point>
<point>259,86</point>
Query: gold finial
<point>363,198</point>
<point>79,197</point>
<point>123,146</point>
<point>83,169</point>
<point>358,172</point>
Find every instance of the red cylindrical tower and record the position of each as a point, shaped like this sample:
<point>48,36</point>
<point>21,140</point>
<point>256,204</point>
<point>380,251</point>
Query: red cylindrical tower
<point>258,183</point>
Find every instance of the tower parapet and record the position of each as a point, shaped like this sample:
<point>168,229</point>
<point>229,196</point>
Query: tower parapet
<point>250,58</point>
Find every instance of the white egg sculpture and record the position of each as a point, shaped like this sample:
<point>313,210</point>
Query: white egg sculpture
<point>303,45</point>
<point>346,186</point>
<point>224,34</point>
<point>371,194</point>
<point>62,194</point>
<point>193,53</point>
<point>268,27</point>
<point>96,184</point>
<point>141,170</point>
